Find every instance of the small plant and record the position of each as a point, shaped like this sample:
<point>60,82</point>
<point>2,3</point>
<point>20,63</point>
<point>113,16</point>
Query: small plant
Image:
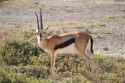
<point>18,47</point>
<point>9,76</point>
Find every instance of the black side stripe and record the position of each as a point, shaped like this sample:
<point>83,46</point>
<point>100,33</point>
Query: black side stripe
<point>65,44</point>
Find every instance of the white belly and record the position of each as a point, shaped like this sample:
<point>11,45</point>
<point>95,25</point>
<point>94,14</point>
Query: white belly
<point>69,49</point>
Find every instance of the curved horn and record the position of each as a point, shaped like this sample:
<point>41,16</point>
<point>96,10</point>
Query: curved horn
<point>41,21</point>
<point>37,20</point>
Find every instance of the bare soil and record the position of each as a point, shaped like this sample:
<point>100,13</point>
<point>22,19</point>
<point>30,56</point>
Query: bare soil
<point>104,19</point>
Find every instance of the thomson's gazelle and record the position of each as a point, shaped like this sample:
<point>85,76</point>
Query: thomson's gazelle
<point>55,42</point>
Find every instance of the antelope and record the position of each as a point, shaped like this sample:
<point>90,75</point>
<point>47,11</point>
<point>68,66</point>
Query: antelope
<point>56,42</point>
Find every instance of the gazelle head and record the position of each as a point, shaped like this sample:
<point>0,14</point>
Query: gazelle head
<point>40,31</point>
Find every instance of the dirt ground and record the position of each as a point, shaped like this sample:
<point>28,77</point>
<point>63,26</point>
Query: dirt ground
<point>103,19</point>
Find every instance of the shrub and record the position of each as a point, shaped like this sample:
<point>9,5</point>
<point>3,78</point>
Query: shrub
<point>9,76</point>
<point>17,47</point>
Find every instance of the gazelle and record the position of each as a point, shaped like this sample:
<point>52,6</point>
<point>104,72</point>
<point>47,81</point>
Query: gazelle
<point>55,42</point>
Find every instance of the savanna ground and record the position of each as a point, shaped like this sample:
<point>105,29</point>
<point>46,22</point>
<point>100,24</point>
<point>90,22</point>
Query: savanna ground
<point>22,61</point>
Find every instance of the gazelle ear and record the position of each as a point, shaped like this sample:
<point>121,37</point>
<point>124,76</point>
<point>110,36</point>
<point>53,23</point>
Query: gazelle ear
<point>47,27</point>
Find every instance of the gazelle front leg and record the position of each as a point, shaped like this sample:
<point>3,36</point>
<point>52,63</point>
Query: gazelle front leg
<point>53,57</point>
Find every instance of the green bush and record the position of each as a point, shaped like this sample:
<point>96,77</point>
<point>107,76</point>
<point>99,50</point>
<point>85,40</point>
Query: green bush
<point>77,79</point>
<point>16,48</point>
<point>9,76</point>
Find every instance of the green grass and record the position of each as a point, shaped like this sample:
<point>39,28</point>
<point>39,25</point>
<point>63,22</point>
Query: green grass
<point>23,61</point>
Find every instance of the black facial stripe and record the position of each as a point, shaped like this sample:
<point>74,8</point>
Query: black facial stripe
<point>66,43</point>
<point>40,34</point>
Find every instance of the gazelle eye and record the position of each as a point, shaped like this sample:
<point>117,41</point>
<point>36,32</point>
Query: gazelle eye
<point>44,32</point>
<point>36,33</point>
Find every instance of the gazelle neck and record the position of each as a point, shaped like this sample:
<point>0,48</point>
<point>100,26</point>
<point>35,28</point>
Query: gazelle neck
<point>42,41</point>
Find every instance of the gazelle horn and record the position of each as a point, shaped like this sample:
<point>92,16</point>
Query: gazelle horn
<point>37,20</point>
<point>41,20</point>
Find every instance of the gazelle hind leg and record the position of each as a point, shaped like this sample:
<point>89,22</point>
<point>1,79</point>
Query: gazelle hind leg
<point>88,49</point>
<point>94,66</point>
<point>81,48</point>
<point>82,52</point>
